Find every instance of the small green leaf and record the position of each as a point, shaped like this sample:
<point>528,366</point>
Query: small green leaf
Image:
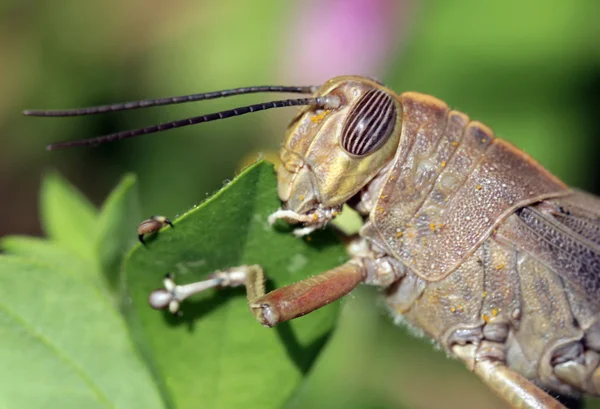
<point>217,356</point>
<point>53,254</point>
<point>119,216</point>
<point>63,344</point>
<point>67,217</point>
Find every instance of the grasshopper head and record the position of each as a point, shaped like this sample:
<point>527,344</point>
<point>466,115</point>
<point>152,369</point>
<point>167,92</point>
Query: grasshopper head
<point>329,155</point>
<point>348,130</point>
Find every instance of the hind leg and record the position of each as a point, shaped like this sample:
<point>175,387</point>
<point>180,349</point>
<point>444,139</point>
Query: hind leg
<point>487,362</point>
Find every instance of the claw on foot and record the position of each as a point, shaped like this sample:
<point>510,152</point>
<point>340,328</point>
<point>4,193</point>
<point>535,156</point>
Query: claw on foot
<point>152,225</point>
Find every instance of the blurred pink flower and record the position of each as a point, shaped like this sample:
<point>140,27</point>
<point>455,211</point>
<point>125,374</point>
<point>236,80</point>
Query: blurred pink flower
<point>336,37</point>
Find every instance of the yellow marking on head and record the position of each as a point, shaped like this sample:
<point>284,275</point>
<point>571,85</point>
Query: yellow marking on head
<point>318,118</point>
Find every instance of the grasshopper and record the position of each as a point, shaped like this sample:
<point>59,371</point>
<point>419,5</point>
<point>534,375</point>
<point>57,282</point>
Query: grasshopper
<point>471,241</point>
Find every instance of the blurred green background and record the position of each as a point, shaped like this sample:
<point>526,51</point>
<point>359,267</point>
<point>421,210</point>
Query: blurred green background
<point>530,70</point>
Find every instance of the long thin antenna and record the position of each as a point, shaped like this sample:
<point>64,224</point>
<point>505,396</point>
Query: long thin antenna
<point>320,101</point>
<point>124,106</point>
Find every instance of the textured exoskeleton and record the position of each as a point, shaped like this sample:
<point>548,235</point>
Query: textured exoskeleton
<point>472,240</point>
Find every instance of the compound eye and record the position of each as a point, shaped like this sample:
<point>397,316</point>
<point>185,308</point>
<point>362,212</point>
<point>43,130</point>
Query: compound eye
<point>369,124</point>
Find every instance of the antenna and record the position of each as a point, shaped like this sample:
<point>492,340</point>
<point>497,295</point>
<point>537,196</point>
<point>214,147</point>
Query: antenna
<point>324,101</point>
<point>320,101</point>
<point>146,103</point>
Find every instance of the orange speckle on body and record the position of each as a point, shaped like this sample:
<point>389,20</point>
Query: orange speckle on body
<point>452,309</point>
<point>444,164</point>
<point>485,318</point>
<point>500,266</point>
<point>382,197</point>
<point>410,235</point>
<point>399,234</point>
<point>454,143</point>
<point>483,140</point>
<point>318,118</point>
<point>478,187</point>
<point>494,312</point>
<point>301,197</point>
<point>485,293</point>
<point>308,238</point>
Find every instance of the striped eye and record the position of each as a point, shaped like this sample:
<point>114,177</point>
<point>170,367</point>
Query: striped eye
<point>369,124</point>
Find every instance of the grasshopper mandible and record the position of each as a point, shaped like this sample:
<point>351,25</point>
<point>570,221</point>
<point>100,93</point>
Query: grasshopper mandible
<point>471,240</point>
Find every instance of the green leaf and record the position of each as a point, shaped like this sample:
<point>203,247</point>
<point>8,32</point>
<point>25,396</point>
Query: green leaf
<point>67,217</point>
<point>119,216</point>
<point>217,355</point>
<point>63,344</point>
<point>53,254</point>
